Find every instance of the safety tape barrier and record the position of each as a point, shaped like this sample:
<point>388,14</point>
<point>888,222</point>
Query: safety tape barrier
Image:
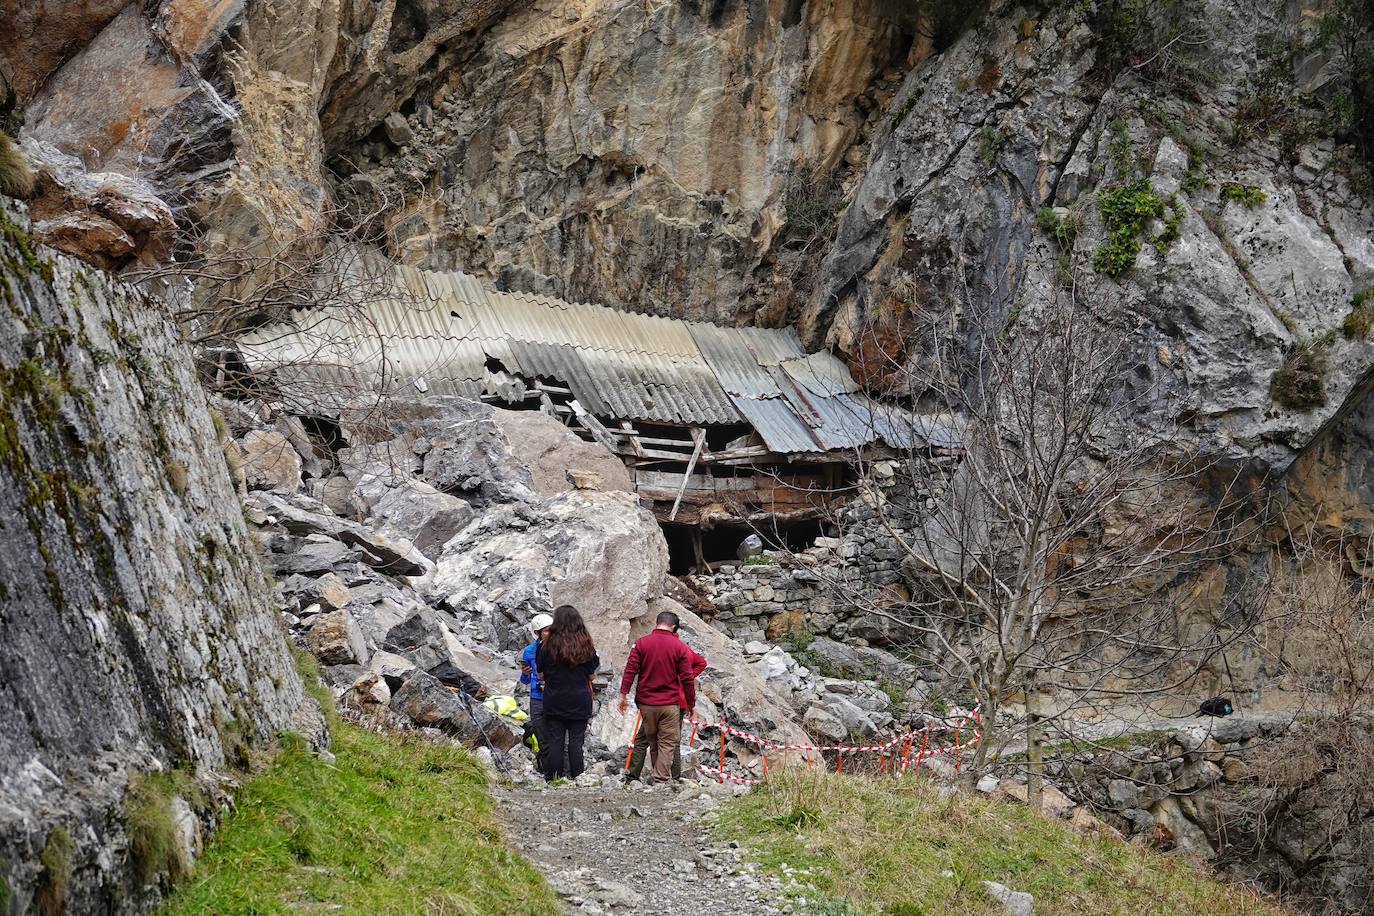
<point>932,722</point>
<point>902,761</point>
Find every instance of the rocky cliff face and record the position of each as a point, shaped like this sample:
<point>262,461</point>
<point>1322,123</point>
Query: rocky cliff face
<point>136,634</point>
<point>860,170</point>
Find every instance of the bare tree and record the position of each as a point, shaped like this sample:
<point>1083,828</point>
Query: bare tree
<point>309,300</point>
<point>1309,822</point>
<point>1050,569</point>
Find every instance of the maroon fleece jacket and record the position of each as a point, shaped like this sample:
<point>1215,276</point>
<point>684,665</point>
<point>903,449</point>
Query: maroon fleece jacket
<point>666,669</point>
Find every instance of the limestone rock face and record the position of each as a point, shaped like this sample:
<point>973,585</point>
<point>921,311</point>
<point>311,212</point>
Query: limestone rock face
<point>134,619</point>
<point>1008,121</point>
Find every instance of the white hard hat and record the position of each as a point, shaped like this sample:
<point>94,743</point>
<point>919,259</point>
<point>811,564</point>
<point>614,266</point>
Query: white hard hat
<point>539,622</point>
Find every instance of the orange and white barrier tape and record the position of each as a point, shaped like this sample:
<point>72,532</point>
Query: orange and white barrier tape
<point>902,761</point>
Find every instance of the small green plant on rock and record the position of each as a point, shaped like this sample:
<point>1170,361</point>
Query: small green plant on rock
<point>1125,211</point>
<point>1063,229</point>
<point>1301,383</point>
<point>152,822</point>
<point>1357,324</point>
<point>1247,195</point>
<point>1171,232</point>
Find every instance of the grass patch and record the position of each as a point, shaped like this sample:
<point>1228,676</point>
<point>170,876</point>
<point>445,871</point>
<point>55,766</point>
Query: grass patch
<point>152,822</point>
<point>1361,317</point>
<point>1301,383</point>
<point>886,847</point>
<point>1244,194</point>
<point>758,560</point>
<point>396,825</point>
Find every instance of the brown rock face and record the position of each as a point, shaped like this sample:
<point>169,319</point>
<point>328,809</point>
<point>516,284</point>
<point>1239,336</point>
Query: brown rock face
<point>40,35</point>
<point>634,154</point>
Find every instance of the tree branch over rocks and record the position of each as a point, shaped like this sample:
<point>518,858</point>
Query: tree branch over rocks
<point>1056,567</point>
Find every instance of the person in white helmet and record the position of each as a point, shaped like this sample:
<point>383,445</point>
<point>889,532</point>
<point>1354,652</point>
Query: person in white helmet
<point>529,674</point>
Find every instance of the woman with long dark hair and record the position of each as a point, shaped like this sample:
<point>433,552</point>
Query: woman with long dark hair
<point>566,661</point>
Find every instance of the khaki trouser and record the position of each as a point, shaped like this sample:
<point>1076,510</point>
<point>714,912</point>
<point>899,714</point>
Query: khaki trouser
<point>663,725</point>
<point>641,750</point>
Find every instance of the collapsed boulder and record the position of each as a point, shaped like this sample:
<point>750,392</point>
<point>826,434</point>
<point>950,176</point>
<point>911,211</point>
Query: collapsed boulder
<point>424,700</point>
<point>597,551</point>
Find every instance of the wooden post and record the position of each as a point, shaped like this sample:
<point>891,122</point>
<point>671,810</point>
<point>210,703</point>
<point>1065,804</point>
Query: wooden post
<point>700,435</point>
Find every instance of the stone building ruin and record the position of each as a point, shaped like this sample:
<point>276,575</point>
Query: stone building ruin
<point>726,432</point>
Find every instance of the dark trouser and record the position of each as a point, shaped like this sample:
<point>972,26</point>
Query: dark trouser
<point>641,751</point>
<point>537,726</point>
<point>563,762</point>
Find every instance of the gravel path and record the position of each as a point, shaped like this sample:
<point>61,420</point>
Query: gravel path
<point>617,850</point>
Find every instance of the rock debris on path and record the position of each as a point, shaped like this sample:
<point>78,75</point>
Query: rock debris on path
<point>617,849</point>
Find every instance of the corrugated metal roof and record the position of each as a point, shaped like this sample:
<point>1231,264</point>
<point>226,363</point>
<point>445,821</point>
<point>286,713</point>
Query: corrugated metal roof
<point>448,329</point>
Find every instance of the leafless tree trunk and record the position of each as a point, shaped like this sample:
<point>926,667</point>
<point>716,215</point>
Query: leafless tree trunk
<point>1049,570</point>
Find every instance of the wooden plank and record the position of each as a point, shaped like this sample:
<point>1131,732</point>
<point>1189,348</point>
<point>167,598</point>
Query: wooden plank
<point>638,450</point>
<point>673,479</point>
<point>592,424</point>
<point>699,435</point>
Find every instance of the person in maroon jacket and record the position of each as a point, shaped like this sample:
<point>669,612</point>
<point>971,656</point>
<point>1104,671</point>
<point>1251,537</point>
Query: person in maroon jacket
<point>664,667</point>
<point>641,745</point>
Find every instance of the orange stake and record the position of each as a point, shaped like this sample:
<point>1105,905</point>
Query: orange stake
<point>765,764</point>
<point>633,735</point>
<point>958,738</point>
<point>839,761</point>
<point>692,741</point>
<point>925,735</point>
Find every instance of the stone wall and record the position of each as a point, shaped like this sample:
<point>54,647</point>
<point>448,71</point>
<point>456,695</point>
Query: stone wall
<point>136,632</point>
<point>832,586</point>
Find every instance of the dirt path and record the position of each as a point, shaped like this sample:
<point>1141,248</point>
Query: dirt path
<point>622,850</point>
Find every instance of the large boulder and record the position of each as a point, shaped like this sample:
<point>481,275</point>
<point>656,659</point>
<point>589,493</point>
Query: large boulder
<point>863,662</point>
<point>597,551</point>
<point>336,640</point>
<point>417,512</point>
<point>395,557</point>
<point>555,456</point>
<point>430,704</point>
<point>270,461</point>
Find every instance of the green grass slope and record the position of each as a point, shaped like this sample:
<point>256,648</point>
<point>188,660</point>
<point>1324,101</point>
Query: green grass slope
<point>396,825</point>
<point>898,848</point>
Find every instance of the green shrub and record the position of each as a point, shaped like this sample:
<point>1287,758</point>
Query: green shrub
<point>759,560</point>
<point>1301,383</point>
<point>1171,232</point>
<point>1245,194</point>
<point>55,880</point>
<point>1357,324</point>
<point>1126,211</point>
<point>1062,229</point>
<point>152,823</point>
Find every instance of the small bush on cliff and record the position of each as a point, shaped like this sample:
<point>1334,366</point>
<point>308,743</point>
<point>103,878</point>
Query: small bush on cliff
<point>1244,194</point>
<point>1126,211</point>
<point>55,881</point>
<point>16,177</point>
<point>150,814</point>
<point>1301,383</point>
<point>1357,324</point>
